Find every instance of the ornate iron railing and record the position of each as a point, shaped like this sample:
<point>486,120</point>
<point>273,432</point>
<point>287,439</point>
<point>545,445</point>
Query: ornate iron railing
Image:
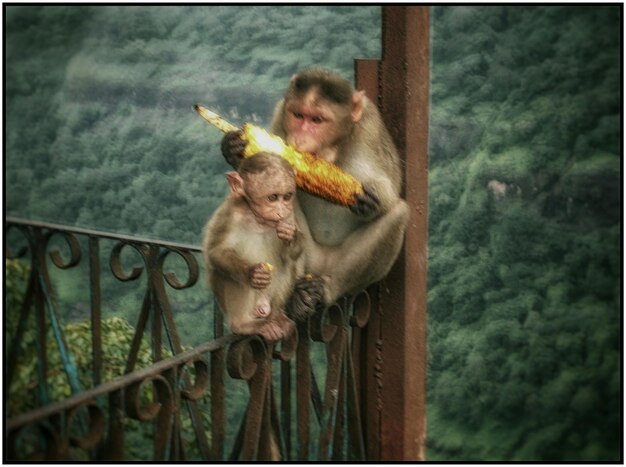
<point>303,395</point>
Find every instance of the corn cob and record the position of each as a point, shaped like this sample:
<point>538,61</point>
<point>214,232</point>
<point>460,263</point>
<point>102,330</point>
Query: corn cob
<point>314,175</point>
<point>214,119</point>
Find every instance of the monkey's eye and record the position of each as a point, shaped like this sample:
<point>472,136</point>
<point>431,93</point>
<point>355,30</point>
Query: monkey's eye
<point>272,198</point>
<point>298,115</point>
<point>317,119</point>
<point>288,196</point>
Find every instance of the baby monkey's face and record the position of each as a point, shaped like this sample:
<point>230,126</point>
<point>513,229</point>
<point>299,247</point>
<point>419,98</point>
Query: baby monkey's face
<point>270,194</point>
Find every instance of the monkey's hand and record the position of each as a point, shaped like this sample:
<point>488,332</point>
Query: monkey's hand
<point>367,204</point>
<point>285,230</point>
<point>260,277</point>
<point>232,146</point>
<point>271,331</point>
<point>307,296</point>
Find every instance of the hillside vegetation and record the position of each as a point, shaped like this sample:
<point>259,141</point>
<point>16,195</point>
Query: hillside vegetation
<point>524,185</point>
<point>524,251</point>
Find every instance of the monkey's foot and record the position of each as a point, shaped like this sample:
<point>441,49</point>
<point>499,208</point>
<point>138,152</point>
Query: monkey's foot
<point>307,298</point>
<point>271,331</point>
<point>287,326</point>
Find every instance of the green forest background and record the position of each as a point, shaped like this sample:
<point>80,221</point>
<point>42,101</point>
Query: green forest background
<point>525,257</point>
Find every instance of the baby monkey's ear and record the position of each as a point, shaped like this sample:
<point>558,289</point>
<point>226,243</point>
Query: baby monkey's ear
<point>236,184</point>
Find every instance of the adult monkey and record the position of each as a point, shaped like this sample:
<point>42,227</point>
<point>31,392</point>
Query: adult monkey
<point>346,248</point>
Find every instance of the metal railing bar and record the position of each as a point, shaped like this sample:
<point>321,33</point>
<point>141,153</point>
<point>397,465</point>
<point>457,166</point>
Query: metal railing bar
<point>263,433</point>
<point>97,233</point>
<point>120,382</point>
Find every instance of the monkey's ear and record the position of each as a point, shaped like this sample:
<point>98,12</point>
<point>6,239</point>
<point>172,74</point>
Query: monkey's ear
<point>236,183</point>
<point>357,105</point>
<point>293,78</point>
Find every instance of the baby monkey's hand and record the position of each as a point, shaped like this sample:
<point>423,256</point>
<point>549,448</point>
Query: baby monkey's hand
<point>260,276</point>
<point>285,230</point>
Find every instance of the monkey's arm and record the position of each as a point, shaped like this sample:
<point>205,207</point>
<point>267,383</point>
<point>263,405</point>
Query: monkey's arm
<point>296,246</point>
<point>380,179</point>
<point>229,263</point>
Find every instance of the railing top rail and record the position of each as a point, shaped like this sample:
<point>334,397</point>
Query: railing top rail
<point>122,381</point>
<point>97,233</point>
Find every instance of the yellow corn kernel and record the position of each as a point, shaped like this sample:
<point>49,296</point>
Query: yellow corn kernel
<point>268,266</point>
<point>314,175</point>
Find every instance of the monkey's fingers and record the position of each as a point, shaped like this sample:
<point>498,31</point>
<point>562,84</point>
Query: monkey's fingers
<point>271,331</point>
<point>233,146</point>
<point>311,285</point>
<point>260,277</point>
<point>260,282</point>
<point>307,297</point>
<point>285,230</point>
<point>368,203</point>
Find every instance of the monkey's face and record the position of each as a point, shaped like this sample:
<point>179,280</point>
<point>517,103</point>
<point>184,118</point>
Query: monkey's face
<point>270,195</point>
<point>312,123</point>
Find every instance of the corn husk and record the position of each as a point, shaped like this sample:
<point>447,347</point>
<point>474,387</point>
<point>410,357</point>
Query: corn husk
<point>314,175</point>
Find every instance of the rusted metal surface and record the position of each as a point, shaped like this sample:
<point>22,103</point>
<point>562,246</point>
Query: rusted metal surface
<point>94,422</point>
<point>128,388</point>
<point>370,358</point>
<point>218,415</point>
<point>395,395</point>
<point>172,387</point>
<point>96,312</point>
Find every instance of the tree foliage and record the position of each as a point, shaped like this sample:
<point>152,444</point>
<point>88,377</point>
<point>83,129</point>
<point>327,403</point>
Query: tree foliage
<point>524,180</point>
<point>101,130</point>
<point>524,336</point>
<point>117,334</point>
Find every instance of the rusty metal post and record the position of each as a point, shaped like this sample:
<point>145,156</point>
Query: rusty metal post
<point>395,379</point>
<point>96,309</point>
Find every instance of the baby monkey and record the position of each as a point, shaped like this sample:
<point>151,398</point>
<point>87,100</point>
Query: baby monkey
<point>253,249</point>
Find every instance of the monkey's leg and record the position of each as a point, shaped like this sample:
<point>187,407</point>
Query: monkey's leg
<point>365,257</point>
<point>240,305</point>
<point>287,326</point>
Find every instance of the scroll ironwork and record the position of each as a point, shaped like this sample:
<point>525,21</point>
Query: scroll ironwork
<point>93,423</point>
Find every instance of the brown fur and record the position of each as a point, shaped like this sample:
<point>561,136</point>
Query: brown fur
<point>234,242</point>
<point>350,250</point>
